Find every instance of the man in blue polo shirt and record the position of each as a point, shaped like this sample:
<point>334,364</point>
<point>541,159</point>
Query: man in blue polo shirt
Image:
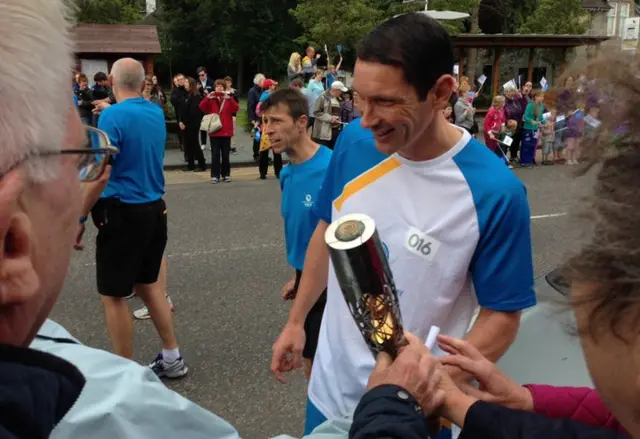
<point>285,122</point>
<point>131,218</point>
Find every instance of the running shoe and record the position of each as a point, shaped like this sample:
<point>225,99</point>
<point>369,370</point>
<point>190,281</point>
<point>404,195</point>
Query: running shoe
<point>227,179</point>
<point>214,181</point>
<point>162,369</point>
<point>131,296</point>
<point>143,313</point>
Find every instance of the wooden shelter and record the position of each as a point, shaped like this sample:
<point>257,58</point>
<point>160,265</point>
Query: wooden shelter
<point>501,42</point>
<point>98,46</point>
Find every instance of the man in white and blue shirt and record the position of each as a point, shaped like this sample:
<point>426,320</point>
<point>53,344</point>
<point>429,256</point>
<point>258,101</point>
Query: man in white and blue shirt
<point>285,122</point>
<point>455,221</point>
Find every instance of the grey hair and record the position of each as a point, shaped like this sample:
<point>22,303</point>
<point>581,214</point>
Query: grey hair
<point>259,77</point>
<point>128,74</point>
<point>34,42</point>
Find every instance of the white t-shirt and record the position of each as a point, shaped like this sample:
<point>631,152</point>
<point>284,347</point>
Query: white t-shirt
<point>474,214</point>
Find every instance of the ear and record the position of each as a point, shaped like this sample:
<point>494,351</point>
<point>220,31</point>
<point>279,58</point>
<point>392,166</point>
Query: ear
<point>18,278</point>
<point>441,92</point>
<point>303,122</point>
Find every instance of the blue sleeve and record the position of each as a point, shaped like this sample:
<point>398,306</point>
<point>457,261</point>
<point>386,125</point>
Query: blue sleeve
<point>108,122</point>
<point>75,100</point>
<point>331,187</point>
<point>502,266</point>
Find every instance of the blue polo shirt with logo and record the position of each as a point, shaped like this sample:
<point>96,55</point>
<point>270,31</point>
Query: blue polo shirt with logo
<point>300,184</point>
<point>137,127</point>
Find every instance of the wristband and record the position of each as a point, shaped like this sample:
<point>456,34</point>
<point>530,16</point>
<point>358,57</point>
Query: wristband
<point>83,219</point>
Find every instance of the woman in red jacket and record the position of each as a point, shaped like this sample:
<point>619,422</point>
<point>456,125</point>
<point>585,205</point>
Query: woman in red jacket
<point>225,106</point>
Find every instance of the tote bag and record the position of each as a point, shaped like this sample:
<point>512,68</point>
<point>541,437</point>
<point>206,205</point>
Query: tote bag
<point>211,122</point>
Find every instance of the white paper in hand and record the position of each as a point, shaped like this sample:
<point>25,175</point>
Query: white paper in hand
<point>455,69</point>
<point>592,121</point>
<point>482,79</point>
<point>560,118</point>
<point>546,116</point>
<point>507,140</point>
<point>510,85</point>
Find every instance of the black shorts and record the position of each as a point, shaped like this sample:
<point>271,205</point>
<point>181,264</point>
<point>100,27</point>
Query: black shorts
<point>130,244</point>
<point>312,322</point>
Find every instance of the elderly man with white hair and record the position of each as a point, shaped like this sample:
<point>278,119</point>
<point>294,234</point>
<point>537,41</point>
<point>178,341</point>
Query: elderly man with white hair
<point>131,217</point>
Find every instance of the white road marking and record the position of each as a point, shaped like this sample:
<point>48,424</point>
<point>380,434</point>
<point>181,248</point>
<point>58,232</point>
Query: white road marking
<point>550,215</point>
<point>207,252</point>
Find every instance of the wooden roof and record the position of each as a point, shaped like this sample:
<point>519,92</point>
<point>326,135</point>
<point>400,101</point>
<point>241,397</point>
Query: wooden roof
<point>116,39</point>
<point>596,5</point>
<point>535,41</point>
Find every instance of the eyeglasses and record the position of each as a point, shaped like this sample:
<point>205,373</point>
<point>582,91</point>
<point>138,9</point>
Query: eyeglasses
<point>93,159</point>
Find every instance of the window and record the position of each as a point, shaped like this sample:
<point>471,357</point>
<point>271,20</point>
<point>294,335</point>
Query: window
<point>611,19</point>
<point>538,74</point>
<point>623,14</point>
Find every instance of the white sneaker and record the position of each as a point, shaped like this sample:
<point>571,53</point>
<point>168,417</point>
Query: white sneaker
<point>143,313</point>
<point>162,369</point>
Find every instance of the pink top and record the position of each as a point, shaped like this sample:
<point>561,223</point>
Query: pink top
<point>493,121</point>
<point>580,404</point>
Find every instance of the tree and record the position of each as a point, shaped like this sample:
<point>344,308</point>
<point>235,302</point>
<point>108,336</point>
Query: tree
<point>505,16</point>
<point>326,22</point>
<point>557,17</point>
<point>109,11</point>
<point>229,35</point>
<point>323,22</point>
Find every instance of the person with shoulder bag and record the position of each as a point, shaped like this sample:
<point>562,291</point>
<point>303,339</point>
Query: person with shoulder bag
<point>219,109</point>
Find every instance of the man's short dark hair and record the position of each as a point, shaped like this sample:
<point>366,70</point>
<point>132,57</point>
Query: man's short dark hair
<point>296,103</point>
<point>297,83</point>
<point>100,76</point>
<point>414,42</point>
<point>201,69</point>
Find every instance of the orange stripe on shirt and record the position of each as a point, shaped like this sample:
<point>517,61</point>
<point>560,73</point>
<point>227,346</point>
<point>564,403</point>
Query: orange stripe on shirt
<point>364,180</point>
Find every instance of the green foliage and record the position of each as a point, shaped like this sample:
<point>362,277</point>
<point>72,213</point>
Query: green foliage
<point>200,31</point>
<point>346,23</point>
<point>326,22</point>
<point>557,17</point>
<point>109,11</point>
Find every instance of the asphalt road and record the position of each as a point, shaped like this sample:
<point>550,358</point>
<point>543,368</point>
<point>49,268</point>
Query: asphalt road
<point>226,268</point>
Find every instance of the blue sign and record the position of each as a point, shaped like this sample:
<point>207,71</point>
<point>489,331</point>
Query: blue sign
<point>340,48</point>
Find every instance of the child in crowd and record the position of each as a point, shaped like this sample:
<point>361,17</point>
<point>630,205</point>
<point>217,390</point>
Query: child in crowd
<point>509,131</point>
<point>575,132</point>
<point>533,119</point>
<point>591,123</point>
<point>548,131</point>
<point>493,124</point>
<point>560,140</point>
<point>448,113</point>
